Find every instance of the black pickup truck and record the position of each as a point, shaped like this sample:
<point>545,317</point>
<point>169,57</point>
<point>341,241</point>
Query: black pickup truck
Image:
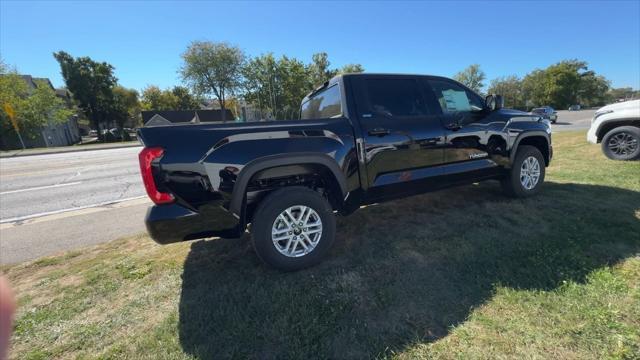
<point>360,139</point>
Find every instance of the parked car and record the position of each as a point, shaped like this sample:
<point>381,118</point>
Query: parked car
<point>574,108</point>
<point>360,139</point>
<point>546,112</point>
<point>617,128</point>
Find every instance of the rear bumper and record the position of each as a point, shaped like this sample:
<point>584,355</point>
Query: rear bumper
<point>173,223</point>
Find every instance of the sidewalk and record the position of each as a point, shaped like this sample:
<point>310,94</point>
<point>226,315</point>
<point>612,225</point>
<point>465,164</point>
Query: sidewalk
<point>65,149</point>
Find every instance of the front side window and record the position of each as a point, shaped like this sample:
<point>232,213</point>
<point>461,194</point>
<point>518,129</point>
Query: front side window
<point>325,104</point>
<point>455,98</point>
<point>395,97</point>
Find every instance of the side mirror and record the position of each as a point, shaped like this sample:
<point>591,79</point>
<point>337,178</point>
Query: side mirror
<point>494,102</point>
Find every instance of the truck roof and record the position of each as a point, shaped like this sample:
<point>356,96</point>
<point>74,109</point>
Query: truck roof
<point>338,78</point>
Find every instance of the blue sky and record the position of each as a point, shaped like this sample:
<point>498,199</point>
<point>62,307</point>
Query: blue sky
<point>144,40</point>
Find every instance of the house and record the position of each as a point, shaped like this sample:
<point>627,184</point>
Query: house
<point>50,135</point>
<point>168,117</point>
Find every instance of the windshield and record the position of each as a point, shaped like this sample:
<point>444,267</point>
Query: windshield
<point>325,104</point>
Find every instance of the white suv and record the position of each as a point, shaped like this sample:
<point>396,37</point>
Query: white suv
<point>617,127</point>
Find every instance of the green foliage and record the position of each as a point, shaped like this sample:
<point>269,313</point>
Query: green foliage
<point>351,68</point>
<point>33,108</point>
<point>91,83</point>
<point>277,86</point>
<point>472,77</point>
<point>626,93</point>
<point>184,99</point>
<point>510,87</point>
<point>564,84</point>
<point>125,106</point>
<point>319,70</point>
<point>178,98</point>
<point>213,69</point>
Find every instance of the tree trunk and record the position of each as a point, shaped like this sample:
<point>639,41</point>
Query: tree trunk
<point>222,108</point>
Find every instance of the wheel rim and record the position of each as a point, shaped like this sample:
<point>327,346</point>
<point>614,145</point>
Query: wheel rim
<point>530,173</point>
<point>296,231</point>
<point>622,144</point>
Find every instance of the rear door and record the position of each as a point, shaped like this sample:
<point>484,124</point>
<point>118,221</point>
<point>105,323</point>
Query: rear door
<point>403,137</point>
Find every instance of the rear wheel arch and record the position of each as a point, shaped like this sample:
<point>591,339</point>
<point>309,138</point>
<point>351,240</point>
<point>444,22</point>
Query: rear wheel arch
<point>288,165</point>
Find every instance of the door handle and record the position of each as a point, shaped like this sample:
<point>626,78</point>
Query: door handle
<point>453,126</point>
<point>379,132</point>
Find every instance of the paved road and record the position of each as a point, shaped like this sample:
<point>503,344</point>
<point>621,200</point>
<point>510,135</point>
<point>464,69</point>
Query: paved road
<point>56,202</point>
<point>573,120</point>
<point>36,185</point>
<point>76,229</point>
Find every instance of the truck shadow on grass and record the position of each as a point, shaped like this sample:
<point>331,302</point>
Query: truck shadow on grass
<point>401,272</point>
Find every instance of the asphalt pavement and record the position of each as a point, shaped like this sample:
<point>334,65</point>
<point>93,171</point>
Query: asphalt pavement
<point>573,120</point>
<point>42,184</point>
<point>56,202</point>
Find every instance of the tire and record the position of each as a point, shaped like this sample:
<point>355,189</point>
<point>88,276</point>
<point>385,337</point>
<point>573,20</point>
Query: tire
<point>622,143</point>
<point>514,182</point>
<point>288,254</point>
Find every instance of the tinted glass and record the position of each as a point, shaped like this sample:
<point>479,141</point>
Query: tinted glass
<point>395,97</point>
<point>455,98</point>
<point>325,104</point>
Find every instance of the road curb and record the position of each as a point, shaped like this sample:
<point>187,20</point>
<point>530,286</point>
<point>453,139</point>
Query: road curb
<point>66,150</point>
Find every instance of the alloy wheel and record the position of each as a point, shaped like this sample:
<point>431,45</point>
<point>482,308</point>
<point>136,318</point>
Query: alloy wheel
<point>623,144</point>
<point>296,231</point>
<point>530,172</point>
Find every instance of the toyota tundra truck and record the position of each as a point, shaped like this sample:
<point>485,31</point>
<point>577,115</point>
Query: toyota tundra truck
<point>360,139</point>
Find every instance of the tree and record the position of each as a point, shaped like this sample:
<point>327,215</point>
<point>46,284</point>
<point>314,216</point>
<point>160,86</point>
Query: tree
<point>351,68</point>
<point>593,90</point>
<point>178,98</point>
<point>43,107</point>
<point>564,84</point>
<point>31,109</point>
<point>319,71</point>
<point>472,77</point>
<point>184,99</point>
<point>626,93</point>
<point>91,84</point>
<point>213,69</point>
<point>510,87</point>
<point>126,106</point>
<point>277,86</point>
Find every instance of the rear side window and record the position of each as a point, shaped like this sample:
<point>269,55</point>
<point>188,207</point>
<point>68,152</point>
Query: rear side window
<point>395,97</point>
<point>455,98</point>
<point>325,104</point>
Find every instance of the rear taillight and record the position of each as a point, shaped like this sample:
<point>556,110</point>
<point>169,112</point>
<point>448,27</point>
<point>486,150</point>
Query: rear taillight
<point>146,157</point>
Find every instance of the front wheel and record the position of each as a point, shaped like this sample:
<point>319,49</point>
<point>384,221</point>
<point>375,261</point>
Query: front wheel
<point>622,143</point>
<point>526,174</point>
<point>293,228</point>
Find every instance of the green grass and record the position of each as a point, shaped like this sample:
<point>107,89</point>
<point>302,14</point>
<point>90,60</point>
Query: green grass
<point>463,273</point>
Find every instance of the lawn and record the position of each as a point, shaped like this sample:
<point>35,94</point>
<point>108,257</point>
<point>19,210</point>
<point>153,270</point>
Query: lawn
<point>463,273</point>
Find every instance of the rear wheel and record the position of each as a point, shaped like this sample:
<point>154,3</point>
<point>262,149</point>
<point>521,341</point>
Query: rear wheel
<point>526,174</point>
<point>622,143</point>
<point>293,228</point>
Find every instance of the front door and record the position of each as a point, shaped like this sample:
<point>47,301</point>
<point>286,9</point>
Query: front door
<point>473,134</point>
<point>403,137</point>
